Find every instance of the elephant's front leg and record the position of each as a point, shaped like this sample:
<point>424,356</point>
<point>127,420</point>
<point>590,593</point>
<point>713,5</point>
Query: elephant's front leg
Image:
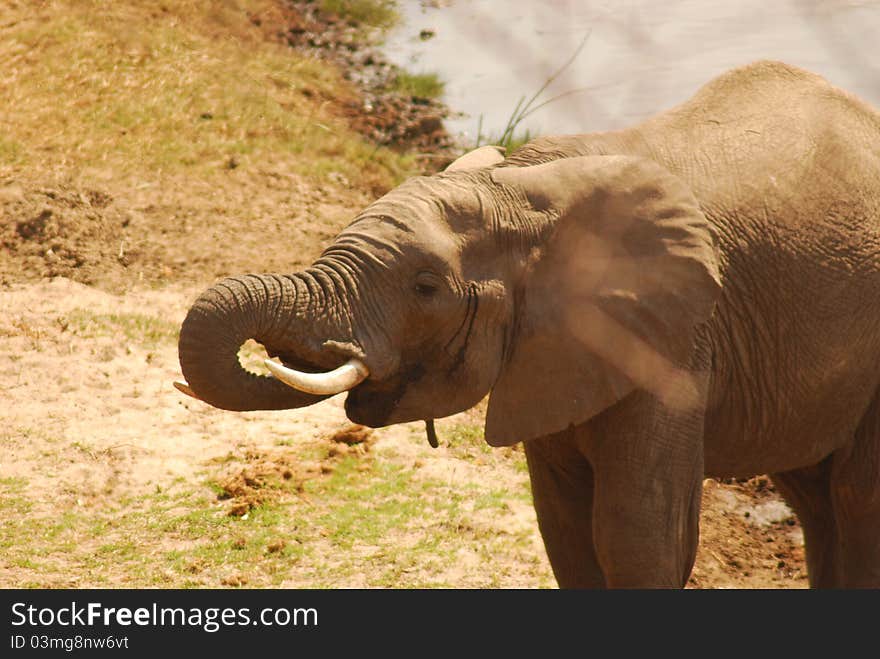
<point>648,467</point>
<point>562,490</point>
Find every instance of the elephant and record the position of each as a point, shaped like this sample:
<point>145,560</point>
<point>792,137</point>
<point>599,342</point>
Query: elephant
<point>696,295</point>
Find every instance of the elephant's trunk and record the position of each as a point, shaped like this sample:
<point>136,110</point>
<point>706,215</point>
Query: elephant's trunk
<point>277,311</point>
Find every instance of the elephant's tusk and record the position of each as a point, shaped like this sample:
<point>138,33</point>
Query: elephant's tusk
<point>346,377</point>
<point>184,387</point>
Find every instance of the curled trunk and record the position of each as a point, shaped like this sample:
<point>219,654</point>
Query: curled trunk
<point>276,311</point>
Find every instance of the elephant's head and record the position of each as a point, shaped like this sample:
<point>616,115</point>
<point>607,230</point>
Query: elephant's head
<point>557,287</point>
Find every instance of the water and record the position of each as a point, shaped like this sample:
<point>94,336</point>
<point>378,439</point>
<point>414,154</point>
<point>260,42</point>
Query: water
<point>640,56</point>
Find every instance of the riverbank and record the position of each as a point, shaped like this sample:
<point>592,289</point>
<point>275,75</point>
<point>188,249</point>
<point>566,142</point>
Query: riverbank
<point>384,113</point>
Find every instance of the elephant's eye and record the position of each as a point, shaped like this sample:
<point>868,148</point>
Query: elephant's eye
<point>427,285</point>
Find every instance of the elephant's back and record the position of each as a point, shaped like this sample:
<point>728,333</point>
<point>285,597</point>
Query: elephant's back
<point>787,170</point>
<point>778,159</point>
<point>764,90</point>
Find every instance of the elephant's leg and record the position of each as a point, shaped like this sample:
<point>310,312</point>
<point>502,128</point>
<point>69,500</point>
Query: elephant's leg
<point>838,503</point>
<point>562,489</point>
<point>648,465</point>
<point>808,492</point>
<point>855,498</point>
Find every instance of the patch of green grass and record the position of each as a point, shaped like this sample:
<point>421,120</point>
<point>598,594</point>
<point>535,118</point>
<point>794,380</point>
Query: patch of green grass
<point>510,141</point>
<point>201,519</point>
<point>516,140</point>
<point>260,547</point>
<point>421,85</point>
<point>466,441</point>
<point>81,541</point>
<point>10,151</point>
<point>365,506</point>
<point>373,13</point>
<point>499,499</point>
<point>145,330</point>
<point>24,562</point>
<point>464,435</point>
<point>366,519</point>
<point>13,503</point>
<point>393,528</point>
<point>13,484</point>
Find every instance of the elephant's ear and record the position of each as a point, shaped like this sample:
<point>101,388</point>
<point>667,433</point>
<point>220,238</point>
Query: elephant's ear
<point>485,156</point>
<point>610,298</point>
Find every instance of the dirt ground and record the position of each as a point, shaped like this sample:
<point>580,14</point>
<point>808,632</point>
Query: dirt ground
<point>109,477</point>
<point>91,419</point>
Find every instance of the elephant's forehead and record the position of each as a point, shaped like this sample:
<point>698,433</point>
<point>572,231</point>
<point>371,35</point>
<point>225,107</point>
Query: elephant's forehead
<point>434,215</point>
<point>382,222</point>
<point>390,234</point>
<point>414,202</point>
<point>413,210</point>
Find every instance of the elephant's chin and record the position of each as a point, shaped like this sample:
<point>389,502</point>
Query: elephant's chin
<point>372,407</point>
<point>403,399</point>
<point>377,403</point>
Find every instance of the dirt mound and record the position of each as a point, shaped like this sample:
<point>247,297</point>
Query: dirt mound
<point>353,435</point>
<point>175,230</point>
<point>155,228</point>
<point>270,473</point>
<point>61,231</point>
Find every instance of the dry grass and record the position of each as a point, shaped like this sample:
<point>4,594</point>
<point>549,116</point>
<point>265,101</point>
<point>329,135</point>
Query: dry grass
<point>115,88</point>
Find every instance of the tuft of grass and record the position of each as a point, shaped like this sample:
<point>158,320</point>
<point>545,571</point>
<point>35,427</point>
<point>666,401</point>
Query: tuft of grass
<point>372,13</point>
<point>420,85</point>
<point>509,138</point>
<point>463,434</point>
<point>138,328</point>
<point>13,501</point>
<point>515,140</point>
<point>10,151</point>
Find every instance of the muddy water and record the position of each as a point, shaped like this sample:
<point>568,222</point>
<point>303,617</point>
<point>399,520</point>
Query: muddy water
<point>640,56</point>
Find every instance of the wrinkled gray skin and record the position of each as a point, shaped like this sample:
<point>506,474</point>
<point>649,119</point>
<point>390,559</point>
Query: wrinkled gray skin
<point>699,294</point>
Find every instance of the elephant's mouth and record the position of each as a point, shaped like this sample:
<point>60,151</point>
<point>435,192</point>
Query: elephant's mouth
<point>373,403</point>
<point>372,400</point>
<point>378,403</point>
<point>369,402</point>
